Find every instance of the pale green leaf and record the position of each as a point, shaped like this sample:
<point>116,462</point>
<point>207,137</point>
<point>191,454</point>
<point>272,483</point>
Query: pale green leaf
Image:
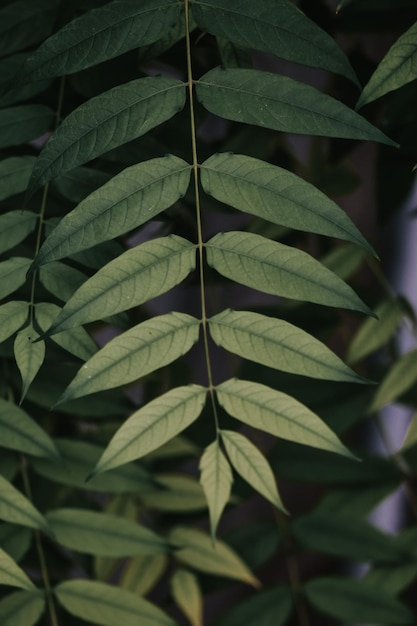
<point>22,433</point>
<point>102,34</point>
<point>278,414</point>
<point>107,121</point>
<point>23,123</point>
<point>22,608</point>
<point>135,353</point>
<point>187,595</point>
<point>251,464</point>
<point>29,355</point>
<point>14,176</point>
<point>12,317</point>
<point>136,276</point>
<point>401,376</point>
<point>277,195</point>
<point>12,275</point>
<point>197,550</point>
<point>153,425</point>
<point>411,436</point>
<point>179,494</point>
<point>76,341</point>
<point>99,533</point>
<point>60,279</point>
<point>16,508</point>
<point>281,103</point>
<point>128,200</point>
<point>24,23</point>
<point>277,27</point>
<point>15,226</point>
<point>274,268</point>
<point>269,607</point>
<point>108,605</point>
<point>11,574</point>
<point>142,573</point>
<point>397,68</point>
<point>277,344</point>
<point>216,479</point>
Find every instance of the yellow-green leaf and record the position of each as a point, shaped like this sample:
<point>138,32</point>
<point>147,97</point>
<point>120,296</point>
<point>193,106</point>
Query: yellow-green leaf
<point>11,574</point>
<point>187,595</point>
<point>216,479</point>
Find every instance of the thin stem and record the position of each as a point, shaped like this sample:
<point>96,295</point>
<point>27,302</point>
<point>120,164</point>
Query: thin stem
<point>200,244</point>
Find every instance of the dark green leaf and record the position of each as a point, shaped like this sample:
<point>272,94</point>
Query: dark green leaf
<point>14,176</point>
<point>24,23</point>
<point>16,508</point>
<point>15,540</point>
<point>80,182</point>
<point>401,376</point>
<point>60,279</point>
<point>20,432</point>
<point>12,275</point>
<point>23,123</point>
<point>11,574</point>
<point>12,317</point>
<point>15,226</point>
<point>269,607</point>
<point>22,608</point>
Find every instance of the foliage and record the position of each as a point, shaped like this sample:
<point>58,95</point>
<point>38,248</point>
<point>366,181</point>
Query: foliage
<point>162,162</point>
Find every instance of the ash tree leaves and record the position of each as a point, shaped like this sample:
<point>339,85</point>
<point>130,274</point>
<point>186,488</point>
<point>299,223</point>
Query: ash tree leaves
<point>29,355</point>
<point>216,479</point>
<point>20,432</point>
<point>16,508</point>
<point>11,574</point>
<point>22,608</point>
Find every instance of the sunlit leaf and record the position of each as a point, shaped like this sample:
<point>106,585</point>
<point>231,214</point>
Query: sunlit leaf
<point>107,121</point>
<point>276,195</point>
<point>24,23</point>
<point>153,425</point>
<point>187,595</point>
<point>136,276</point>
<point>401,376</point>
<point>14,177</point>
<point>216,479</point>
<point>269,607</point>
<point>20,432</point>
<point>29,355</point>
<point>16,508</point>
<point>12,275</point>
<point>23,123</point>
<point>22,608</point>
<point>281,103</point>
<point>180,493</point>
<point>274,268</point>
<point>278,414</point>
<point>278,344</point>
<point>142,573</point>
<point>11,574</point>
<point>128,200</point>
<point>12,317</point>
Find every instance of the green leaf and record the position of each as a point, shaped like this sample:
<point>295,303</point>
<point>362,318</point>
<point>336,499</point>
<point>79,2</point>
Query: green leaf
<point>356,601</point>
<point>22,433</point>
<point>411,436</point>
<point>401,376</point>
<point>11,574</point>
<point>23,123</point>
<point>107,121</point>
<point>103,34</point>
<point>277,27</point>
<point>278,414</point>
<point>14,177</point>
<point>93,532</point>
<point>251,464</point>
<point>197,550</point>
<point>232,55</point>
<point>24,23</point>
<point>15,227</point>
<point>270,607</point>
<point>97,602</point>
<point>153,425</point>
<point>12,317</point>
<point>136,276</point>
<point>16,508</point>
<point>274,268</point>
<point>216,479</point>
<point>60,279</point>
<point>281,103</point>
<point>76,341</point>
<point>397,68</point>
<point>274,194</point>
<point>344,260</point>
<point>29,355</point>
<point>77,184</point>
<point>15,540</point>
<point>12,275</point>
<point>187,595</point>
<point>180,494</point>
<point>22,608</point>
<point>12,91</point>
<point>142,573</point>
<point>135,353</point>
<point>278,344</point>
<point>128,200</point>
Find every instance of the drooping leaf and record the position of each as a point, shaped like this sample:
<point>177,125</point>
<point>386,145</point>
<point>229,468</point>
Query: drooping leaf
<point>24,23</point>
<point>14,176</point>
<point>216,479</point>
<point>12,317</point>
<point>251,464</point>
<point>281,270</point>
<point>12,275</point>
<point>20,432</point>
<point>29,355</point>
<point>11,574</point>
<point>277,27</point>
<point>276,195</point>
<point>100,533</point>
<point>107,121</point>
<point>277,344</point>
<point>135,353</point>
<point>281,103</point>
<point>142,573</point>
<point>269,607</point>
<point>16,508</point>
<point>397,68</point>
<point>197,550</point>
<point>136,276</point>
<point>401,376</point>
<point>23,123</point>
<point>187,595</point>
<point>22,608</point>
<point>108,605</point>
<point>128,200</point>
<point>153,425</point>
<point>103,34</point>
<point>277,413</point>
<point>355,600</point>
<point>61,280</point>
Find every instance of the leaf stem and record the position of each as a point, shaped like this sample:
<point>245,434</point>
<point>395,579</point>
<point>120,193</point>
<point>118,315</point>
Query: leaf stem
<point>200,244</point>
